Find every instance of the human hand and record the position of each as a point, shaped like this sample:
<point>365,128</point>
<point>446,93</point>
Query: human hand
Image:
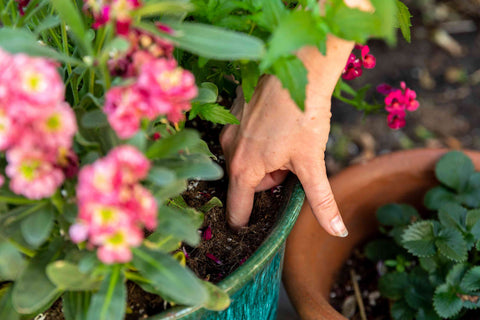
<point>275,137</point>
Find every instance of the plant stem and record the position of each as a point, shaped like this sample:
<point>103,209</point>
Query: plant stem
<point>28,252</point>
<point>91,83</point>
<point>358,295</point>
<point>135,277</point>
<point>65,46</point>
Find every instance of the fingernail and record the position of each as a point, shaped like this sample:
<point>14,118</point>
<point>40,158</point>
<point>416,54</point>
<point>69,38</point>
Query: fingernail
<point>338,226</point>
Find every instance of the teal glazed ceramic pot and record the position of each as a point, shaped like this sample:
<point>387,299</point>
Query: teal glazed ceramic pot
<point>254,287</point>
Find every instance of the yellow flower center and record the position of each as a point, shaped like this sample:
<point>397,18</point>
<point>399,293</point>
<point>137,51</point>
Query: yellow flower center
<point>54,123</point>
<point>117,239</point>
<point>34,82</point>
<point>29,169</point>
<point>170,79</point>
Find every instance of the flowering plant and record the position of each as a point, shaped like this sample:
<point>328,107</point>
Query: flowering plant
<point>430,266</point>
<point>93,96</point>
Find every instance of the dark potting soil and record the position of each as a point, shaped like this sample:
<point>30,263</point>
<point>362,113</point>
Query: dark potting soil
<point>225,251</point>
<point>344,300</point>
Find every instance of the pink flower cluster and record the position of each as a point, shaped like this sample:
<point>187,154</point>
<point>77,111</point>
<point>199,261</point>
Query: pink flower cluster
<point>36,125</point>
<point>113,206</point>
<point>353,69</point>
<point>119,11</point>
<point>397,102</point>
<point>162,88</point>
<point>143,48</point>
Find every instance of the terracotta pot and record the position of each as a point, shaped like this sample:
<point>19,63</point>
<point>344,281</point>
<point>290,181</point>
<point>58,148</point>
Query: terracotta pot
<point>313,257</point>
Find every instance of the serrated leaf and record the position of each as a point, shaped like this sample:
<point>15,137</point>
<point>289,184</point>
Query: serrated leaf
<point>400,310</point>
<point>397,214</point>
<point>446,302</point>
<point>393,285</point>
<point>437,197</point>
<point>166,275</point>
<point>475,231</point>
<point>453,215</point>
<point>427,314</point>
<point>419,292</point>
<point>382,249</point>
<point>419,239</point>
<point>293,75</point>
<point>216,113</point>
<point>471,280</point>
<point>67,276</point>
<point>454,170</point>
<point>473,216</point>
<point>295,30</point>
<point>455,275</point>
<point>451,244</point>
<point>273,11</point>
<point>109,302</point>
<point>403,17</point>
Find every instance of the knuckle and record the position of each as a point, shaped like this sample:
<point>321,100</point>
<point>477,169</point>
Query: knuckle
<point>326,205</point>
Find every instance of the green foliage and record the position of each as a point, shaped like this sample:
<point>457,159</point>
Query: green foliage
<point>403,17</point>
<point>293,75</point>
<point>441,277</point>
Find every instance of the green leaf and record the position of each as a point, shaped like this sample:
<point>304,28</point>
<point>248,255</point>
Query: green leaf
<point>75,305</point>
<point>437,197</point>
<point>473,216</point>
<point>451,244</point>
<point>11,262</point>
<point>356,25</point>
<point>47,23</point>
<point>453,215</point>
<point>109,303</point>
<point>161,7</point>
<point>66,276</point>
<point>168,276</point>
<point>471,280</point>
<point>207,93</point>
<point>273,11</point>
<point>196,166</point>
<point>212,203</point>
<point>397,215</point>
<point>216,113</point>
<point>475,231</point>
<point>455,275</point>
<point>7,311</point>
<point>250,75</point>
<point>211,42</point>
<point>403,17</point>
<point>72,17</point>
<point>162,242</point>
<point>177,223</point>
<point>418,239</point>
<point>393,285</point>
<point>296,30</point>
<point>454,170</point>
<point>94,119</point>
<point>446,302</point>
<point>418,292</point>
<point>22,41</point>
<point>427,314</point>
<point>400,310</point>
<point>293,75</point>
<point>382,249</point>
<point>33,291</point>
<point>217,299</point>
<point>37,226</point>
<point>171,145</point>
<point>171,190</point>
<point>161,176</point>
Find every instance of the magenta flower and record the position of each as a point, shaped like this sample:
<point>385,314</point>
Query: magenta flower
<point>2,180</point>
<point>213,258</point>
<point>207,233</point>
<point>117,11</point>
<point>113,206</point>
<point>368,60</point>
<point>353,69</point>
<point>397,102</point>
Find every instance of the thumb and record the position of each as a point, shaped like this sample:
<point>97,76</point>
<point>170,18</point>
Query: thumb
<point>239,203</point>
<point>320,197</point>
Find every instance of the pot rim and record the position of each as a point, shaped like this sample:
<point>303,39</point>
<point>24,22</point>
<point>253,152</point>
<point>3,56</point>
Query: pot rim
<point>265,252</point>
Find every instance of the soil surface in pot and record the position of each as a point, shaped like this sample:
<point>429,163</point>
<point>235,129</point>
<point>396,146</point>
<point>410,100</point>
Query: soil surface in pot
<point>225,251</point>
<point>366,275</point>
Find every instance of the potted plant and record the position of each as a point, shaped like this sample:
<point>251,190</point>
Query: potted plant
<point>400,177</point>
<point>94,146</point>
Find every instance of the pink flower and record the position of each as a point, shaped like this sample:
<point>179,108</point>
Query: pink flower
<point>32,174</point>
<point>125,107</point>
<point>353,69</point>
<point>396,120</point>
<point>113,205</point>
<point>170,87</point>
<point>207,233</point>
<point>35,81</point>
<point>368,60</point>
<point>118,11</point>
<point>384,88</point>
<point>394,101</point>
<point>6,129</point>
<point>2,180</point>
